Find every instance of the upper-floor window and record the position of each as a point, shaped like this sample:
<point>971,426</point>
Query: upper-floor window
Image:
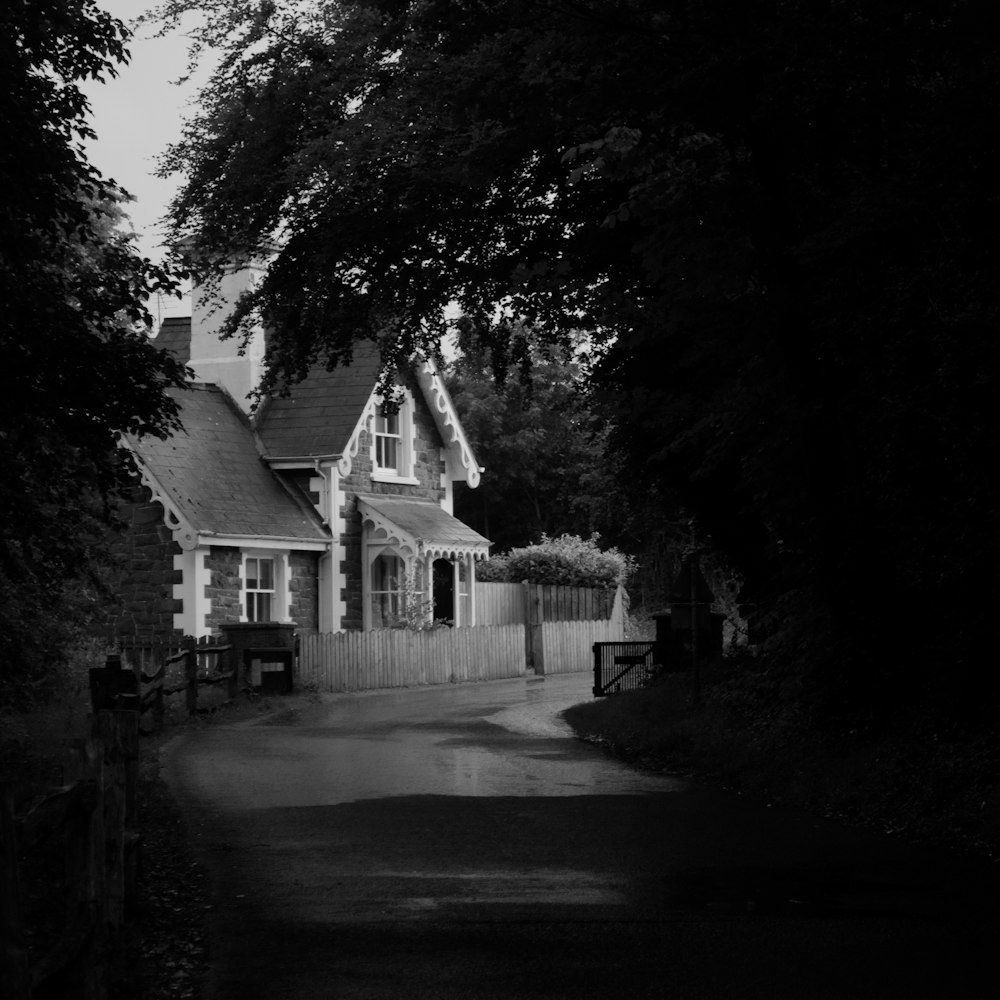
<point>388,441</point>
<point>392,441</point>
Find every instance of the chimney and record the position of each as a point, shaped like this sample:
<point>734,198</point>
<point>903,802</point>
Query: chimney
<point>219,361</point>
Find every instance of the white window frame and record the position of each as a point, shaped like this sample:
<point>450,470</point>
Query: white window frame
<point>388,427</point>
<point>393,606</point>
<point>409,569</point>
<point>402,440</point>
<point>279,585</point>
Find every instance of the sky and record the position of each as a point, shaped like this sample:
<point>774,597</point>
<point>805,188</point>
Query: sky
<point>136,116</point>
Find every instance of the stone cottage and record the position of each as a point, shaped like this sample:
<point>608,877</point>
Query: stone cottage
<point>324,510</point>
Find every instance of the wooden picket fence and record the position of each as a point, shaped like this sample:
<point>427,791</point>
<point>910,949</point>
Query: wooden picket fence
<point>567,647</point>
<point>390,658</point>
<point>87,830</point>
<point>521,603</point>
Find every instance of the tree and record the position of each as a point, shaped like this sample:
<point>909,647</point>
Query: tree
<point>546,466</point>
<point>778,216</point>
<point>553,462</point>
<point>79,368</point>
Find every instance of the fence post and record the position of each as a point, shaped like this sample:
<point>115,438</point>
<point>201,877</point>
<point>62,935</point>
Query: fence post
<point>110,731</point>
<point>158,710</point>
<point>618,612</point>
<point>128,724</point>
<point>227,663</point>
<point>538,631</point>
<point>534,654</point>
<point>14,979</point>
<point>85,869</point>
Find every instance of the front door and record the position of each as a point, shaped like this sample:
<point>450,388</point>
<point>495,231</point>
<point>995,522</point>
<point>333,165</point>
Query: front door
<point>444,590</point>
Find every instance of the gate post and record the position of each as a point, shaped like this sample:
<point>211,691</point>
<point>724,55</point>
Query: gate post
<point>15,981</point>
<point>534,618</point>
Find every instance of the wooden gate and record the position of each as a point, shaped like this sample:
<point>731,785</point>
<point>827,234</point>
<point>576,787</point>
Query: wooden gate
<point>622,666</point>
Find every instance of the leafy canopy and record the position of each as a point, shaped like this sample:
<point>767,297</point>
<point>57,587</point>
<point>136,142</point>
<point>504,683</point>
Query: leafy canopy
<point>779,216</point>
<point>79,369</point>
<point>404,157</point>
<point>544,450</point>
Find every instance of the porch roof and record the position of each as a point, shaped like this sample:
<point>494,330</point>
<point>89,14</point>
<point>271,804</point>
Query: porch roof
<point>422,526</point>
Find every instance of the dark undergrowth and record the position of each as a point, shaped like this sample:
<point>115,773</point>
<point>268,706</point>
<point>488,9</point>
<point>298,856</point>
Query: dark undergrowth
<point>920,779</point>
<point>161,951</point>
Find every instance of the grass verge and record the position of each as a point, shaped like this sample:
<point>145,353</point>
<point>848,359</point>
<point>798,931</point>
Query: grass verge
<point>927,785</point>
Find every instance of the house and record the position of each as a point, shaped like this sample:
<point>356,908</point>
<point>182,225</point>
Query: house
<point>324,510</point>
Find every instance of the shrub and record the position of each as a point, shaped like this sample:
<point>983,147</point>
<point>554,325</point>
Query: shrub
<point>567,561</point>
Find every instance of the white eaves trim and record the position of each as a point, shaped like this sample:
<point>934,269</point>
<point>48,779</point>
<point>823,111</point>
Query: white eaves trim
<point>183,531</point>
<point>269,542</point>
<point>449,426</point>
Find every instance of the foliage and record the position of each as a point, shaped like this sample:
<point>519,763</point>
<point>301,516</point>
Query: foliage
<point>938,786</point>
<point>80,370</point>
<point>416,612</point>
<point>552,465</point>
<point>547,468</point>
<point>779,219</point>
<point>566,561</point>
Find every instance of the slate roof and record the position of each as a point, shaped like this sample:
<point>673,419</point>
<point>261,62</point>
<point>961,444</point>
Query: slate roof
<point>215,478</point>
<point>174,337</point>
<point>317,420</point>
<point>425,521</point>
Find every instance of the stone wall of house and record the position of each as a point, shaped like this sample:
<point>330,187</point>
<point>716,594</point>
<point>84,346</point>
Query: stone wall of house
<point>350,567</point>
<point>303,586</point>
<point>428,470</point>
<point>223,588</point>
<point>143,575</point>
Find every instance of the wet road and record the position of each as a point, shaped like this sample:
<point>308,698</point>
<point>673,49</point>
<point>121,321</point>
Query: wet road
<point>459,843</point>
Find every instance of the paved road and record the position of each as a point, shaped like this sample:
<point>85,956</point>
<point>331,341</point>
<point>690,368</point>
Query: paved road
<point>459,843</point>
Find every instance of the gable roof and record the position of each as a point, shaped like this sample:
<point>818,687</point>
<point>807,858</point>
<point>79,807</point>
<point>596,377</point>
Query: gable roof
<point>212,477</point>
<point>323,415</point>
<point>317,420</point>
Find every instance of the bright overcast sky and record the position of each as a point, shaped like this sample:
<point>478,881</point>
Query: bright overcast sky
<point>135,116</point>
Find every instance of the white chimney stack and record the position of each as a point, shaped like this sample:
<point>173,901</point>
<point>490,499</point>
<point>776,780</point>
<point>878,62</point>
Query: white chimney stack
<point>220,361</point>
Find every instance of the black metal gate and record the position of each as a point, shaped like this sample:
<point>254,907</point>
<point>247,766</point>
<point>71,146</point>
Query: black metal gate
<point>622,666</point>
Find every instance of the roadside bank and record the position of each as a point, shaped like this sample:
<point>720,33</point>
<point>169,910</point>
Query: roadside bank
<point>938,788</point>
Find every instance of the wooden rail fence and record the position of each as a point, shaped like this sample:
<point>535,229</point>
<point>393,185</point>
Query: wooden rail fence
<point>91,826</point>
<point>166,668</point>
